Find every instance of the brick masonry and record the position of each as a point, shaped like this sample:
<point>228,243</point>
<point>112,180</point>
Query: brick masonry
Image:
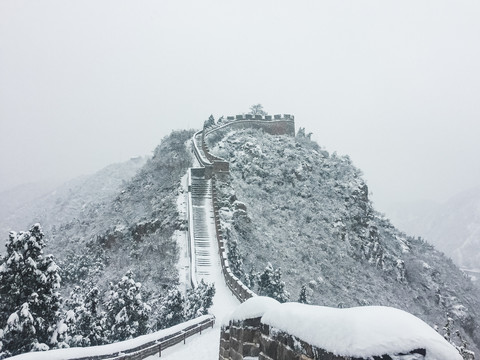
<point>252,338</point>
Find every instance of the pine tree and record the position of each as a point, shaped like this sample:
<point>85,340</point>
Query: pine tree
<point>265,280</point>
<point>210,121</point>
<point>172,310</point>
<point>278,287</point>
<point>85,324</point>
<point>29,281</point>
<point>92,322</point>
<point>235,259</point>
<point>251,279</point>
<point>127,314</point>
<point>303,295</point>
<point>270,284</point>
<point>199,300</point>
<point>19,335</point>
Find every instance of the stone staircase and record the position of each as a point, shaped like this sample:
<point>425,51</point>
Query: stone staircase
<point>202,217</point>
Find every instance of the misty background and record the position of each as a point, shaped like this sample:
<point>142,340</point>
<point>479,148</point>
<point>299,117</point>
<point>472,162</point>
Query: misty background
<point>396,86</point>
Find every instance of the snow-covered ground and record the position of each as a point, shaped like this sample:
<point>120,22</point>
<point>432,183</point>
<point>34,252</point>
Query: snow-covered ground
<point>206,346</point>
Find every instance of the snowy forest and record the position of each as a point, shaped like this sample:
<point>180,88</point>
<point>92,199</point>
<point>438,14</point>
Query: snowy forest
<point>35,316</point>
<point>95,290</point>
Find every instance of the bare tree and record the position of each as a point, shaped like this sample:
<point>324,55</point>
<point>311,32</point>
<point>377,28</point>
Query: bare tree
<point>257,109</point>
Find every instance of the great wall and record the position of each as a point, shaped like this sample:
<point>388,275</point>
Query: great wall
<point>245,338</point>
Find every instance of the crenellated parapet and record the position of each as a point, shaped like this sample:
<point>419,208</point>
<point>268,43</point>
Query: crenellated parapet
<point>271,124</point>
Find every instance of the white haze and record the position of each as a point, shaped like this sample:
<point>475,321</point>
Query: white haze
<point>395,85</point>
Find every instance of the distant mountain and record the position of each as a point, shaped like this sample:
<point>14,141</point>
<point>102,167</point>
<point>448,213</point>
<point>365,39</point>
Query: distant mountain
<point>50,203</point>
<point>306,211</point>
<point>453,227</point>
<point>13,199</point>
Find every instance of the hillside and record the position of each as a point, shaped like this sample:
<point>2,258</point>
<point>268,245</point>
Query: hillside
<point>134,229</point>
<point>100,226</point>
<point>291,203</point>
<point>453,227</point>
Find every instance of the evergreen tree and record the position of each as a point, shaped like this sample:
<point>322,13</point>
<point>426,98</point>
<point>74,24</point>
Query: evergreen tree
<point>265,280</point>
<point>19,335</point>
<point>235,259</point>
<point>199,300</point>
<point>209,122</point>
<point>252,278</point>
<point>92,322</point>
<point>86,325</point>
<point>270,284</point>
<point>303,295</point>
<point>172,310</point>
<point>127,314</point>
<point>29,284</point>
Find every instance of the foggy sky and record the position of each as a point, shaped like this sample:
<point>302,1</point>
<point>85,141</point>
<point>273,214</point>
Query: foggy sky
<point>395,85</point>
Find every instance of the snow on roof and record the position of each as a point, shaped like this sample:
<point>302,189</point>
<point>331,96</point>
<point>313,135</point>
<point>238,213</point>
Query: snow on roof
<point>252,308</point>
<point>360,331</point>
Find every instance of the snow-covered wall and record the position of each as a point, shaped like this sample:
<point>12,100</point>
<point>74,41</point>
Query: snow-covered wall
<point>238,288</point>
<point>264,328</point>
<point>271,124</point>
<point>213,165</point>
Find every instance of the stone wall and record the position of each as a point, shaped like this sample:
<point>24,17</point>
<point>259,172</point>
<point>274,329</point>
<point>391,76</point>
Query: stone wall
<point>240,339</point>
<point>271,124</point>
<point>251,338</point>
<point>236,286</point>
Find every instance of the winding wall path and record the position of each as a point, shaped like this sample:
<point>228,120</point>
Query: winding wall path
<point>208,262</point>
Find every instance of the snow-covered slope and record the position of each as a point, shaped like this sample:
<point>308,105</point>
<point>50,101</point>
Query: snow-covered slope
<point>121,218</point>
<point>308,212</point>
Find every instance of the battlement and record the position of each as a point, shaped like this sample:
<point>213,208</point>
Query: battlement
<point>260,117</point>
<point>271,124</point>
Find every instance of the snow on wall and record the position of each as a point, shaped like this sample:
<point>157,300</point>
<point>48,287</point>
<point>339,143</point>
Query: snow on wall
<point>252,308</point>
<point>275,125</point>
<point>360,331</point>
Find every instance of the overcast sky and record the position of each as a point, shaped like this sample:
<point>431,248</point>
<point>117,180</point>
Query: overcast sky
<point>395,85</point>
